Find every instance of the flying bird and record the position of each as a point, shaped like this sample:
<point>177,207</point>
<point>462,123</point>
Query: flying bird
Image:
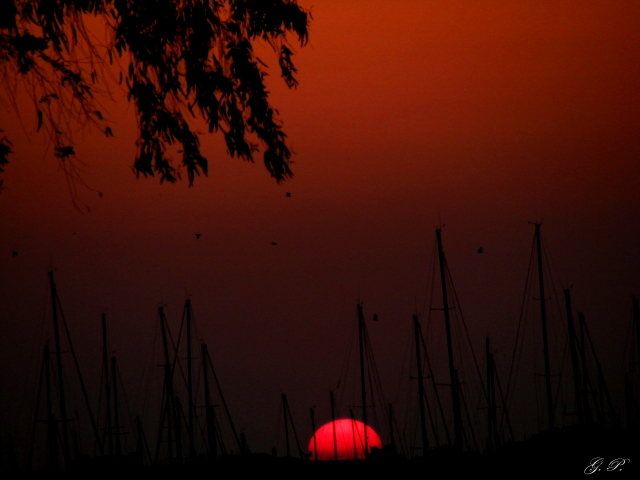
<point>480,250</point>
<point>288,194</point>
<point>198,235</point>
<point>273,243</point>
<point>14,253</point>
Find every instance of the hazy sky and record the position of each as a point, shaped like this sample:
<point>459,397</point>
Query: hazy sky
<point>482,116</point>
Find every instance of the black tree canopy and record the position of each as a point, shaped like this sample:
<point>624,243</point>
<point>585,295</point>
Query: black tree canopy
<point>182,59</point>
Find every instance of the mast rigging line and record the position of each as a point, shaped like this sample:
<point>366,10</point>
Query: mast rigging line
<point>32,439</point>
<point>504,418</point>
<point>464,324</point>
<point>345,367</point>
<point>463,353</point>
<point>224,404</point>
<point>554,331</point>
<point>353,379</point>
<point>176,355</point>
<point>122,392</point>
<point>374,379</point>
<point>405,390</point>
<point>517,346</point>
<point>29,390</point>
<point>77,365</point>
<point>176,364</point>
<point>435,389</point>
<point>431,281</point>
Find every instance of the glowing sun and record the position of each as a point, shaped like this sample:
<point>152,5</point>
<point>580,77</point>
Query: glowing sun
<point>343,440</point>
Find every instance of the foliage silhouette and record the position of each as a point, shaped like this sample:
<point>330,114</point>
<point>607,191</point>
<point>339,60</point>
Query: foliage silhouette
<point>185,59</point>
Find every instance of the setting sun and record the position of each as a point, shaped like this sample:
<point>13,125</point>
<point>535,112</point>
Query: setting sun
<point>347,443</point>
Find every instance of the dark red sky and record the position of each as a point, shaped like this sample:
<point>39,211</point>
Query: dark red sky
<point>479,115</point>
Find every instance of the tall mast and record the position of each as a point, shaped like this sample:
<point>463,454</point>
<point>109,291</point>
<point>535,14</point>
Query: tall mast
<point>585,377</point>
<point>116,409</point>
<point>363,389</point>
<point>63,404</point>
<point>492,417</point>
<point>107,381</point>
<point>636,321</point>
<point>169,411</point>
<point>545,341</point>
<point>240,440</point>
<point>192,452</point>
<point>392,441</point>
<point>421,396</point>
<point>52,429</point>
<point>602,386</point>
<point>455,394</point>
<point>574,357</point>
<point>177,421</point>
<point>288,420</point>
<point>211,424</point>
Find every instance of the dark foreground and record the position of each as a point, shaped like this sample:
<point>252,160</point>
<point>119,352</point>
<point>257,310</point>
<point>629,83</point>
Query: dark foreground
<point>572,452</point>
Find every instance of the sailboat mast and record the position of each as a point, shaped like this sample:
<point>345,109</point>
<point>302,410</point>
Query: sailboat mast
<point>363,389</point>
<point>585,376</point>
<point>52,429</point>
<point>211,425</point>
<point>455,394</point>
<point>574,357</point>
<point>169,413</point>
<point>177,419</point>
<point>545,341</point>
<point>602,386</point>
<point>636,321</point>
<point>421,396</point>
<point>491,400</point>
<point>116,409</point>
<point>192,452</point>
<point>63,404</point>
<point>107,381</point>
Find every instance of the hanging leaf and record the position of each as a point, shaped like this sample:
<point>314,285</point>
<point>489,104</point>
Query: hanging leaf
<point>187,55</point>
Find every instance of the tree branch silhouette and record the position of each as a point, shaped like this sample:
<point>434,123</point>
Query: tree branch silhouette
<point>185,60</point>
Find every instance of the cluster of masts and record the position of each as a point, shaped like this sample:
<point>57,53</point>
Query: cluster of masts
<point>591,403</point>
<point>175,419</point>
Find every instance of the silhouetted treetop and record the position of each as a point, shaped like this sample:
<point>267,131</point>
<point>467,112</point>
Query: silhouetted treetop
<point>180,59</point>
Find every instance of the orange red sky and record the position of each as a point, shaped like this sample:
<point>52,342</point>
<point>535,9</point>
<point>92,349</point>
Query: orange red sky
<point>478,115</point>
